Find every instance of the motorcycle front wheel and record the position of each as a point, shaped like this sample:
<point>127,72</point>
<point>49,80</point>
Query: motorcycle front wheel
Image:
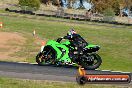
<point>47,57</point>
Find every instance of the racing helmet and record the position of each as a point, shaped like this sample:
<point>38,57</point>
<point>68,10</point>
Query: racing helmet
<point>71,32</point>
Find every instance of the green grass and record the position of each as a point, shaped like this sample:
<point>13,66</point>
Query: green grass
<point>21,83</point>
<point>116,43</point>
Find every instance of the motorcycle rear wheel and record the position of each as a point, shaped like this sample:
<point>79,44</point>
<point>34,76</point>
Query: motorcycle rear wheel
<point>86,65</point>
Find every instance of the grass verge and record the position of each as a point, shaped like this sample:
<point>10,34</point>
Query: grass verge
<point>22,83</point>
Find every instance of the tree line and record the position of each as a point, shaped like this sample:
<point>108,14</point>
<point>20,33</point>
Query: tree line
<point>98,6</point>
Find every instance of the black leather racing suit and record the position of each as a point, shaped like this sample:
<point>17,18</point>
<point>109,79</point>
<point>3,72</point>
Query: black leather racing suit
<point>76,41</point>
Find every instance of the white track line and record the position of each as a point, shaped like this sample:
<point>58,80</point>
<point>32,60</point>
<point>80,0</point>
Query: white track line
<point>125,72</point>
<point>105,70</point>
<point>115,71</point>
<point>26,63</point>
<point>22,62</point>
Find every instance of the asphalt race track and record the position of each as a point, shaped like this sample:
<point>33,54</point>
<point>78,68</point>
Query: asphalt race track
<point>33,71</point>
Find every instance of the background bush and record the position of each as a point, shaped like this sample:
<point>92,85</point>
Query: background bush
<point>25,4</point>
<point>109,15</point>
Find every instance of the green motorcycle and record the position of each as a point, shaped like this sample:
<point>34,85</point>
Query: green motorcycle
<point>65,53</point>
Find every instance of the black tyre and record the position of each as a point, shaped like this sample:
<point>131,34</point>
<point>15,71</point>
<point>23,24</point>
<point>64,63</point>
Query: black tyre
<point>93,64</point>
<point>81,80</point>
<point>39,58</point>
<point>48,56</point>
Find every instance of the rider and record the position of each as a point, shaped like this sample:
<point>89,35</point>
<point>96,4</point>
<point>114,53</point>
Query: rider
<point>75,39</point>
